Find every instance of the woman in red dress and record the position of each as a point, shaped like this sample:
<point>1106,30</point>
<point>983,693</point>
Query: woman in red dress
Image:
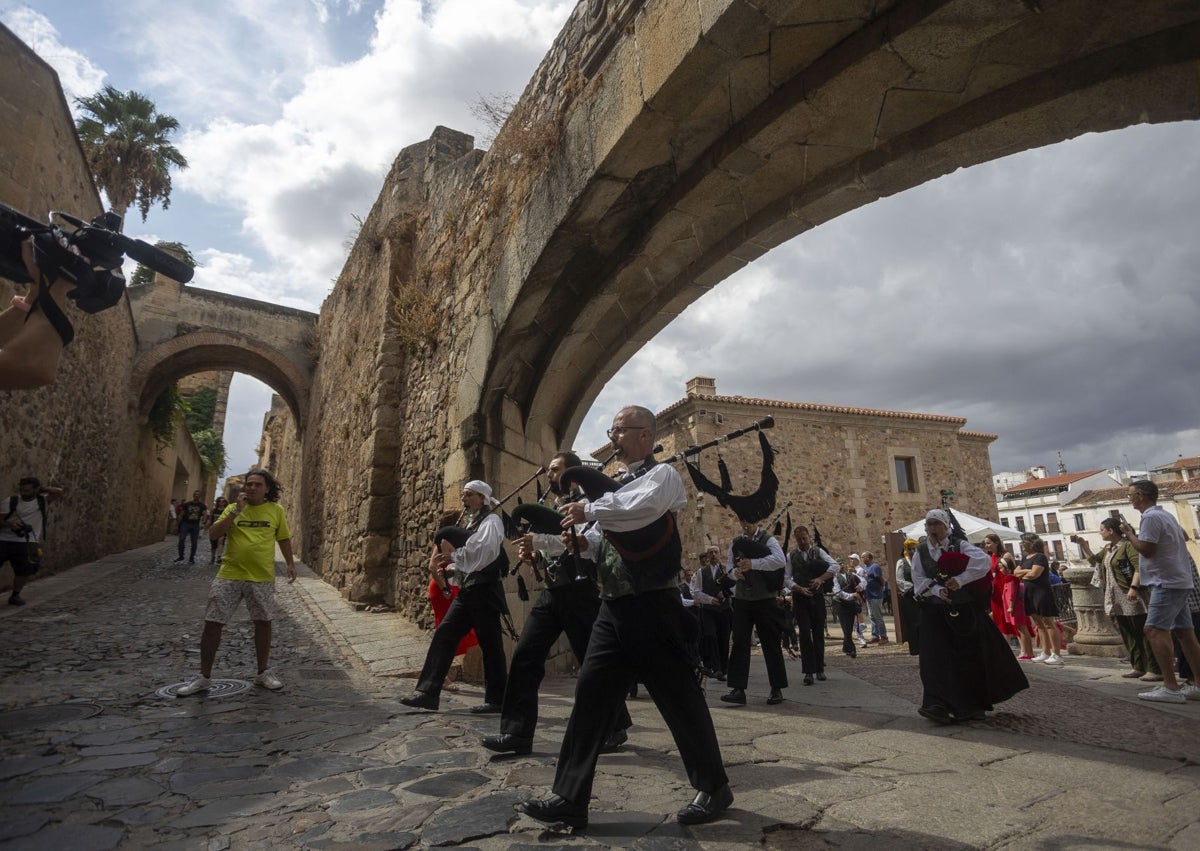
<point>1008,605</point>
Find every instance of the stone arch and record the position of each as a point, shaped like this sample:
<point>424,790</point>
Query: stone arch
<point>168,361</point>
<point>747,128</point>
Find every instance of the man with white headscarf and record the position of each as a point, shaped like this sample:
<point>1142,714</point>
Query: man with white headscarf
<point>966,665</point>
<point>477,566</point>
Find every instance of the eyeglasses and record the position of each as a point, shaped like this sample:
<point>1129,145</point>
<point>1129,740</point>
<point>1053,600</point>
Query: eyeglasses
<point>616,431</point>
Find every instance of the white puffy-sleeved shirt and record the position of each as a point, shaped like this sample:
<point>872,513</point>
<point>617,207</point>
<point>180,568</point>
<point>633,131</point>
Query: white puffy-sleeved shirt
<point>923,583</point>
<point>482,548</point>
<point>638,503</point>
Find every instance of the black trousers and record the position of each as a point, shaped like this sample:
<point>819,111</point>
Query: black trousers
<point>646,636</point>
<point>188,530</point>
<point>763,615</point>
<point>571,609</point>
<point>846,618</point>
<point>715,625</point>
<point>476,608</point>
<point>809,613</point>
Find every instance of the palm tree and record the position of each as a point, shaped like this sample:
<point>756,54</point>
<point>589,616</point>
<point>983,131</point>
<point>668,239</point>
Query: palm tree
<point>125,142</point>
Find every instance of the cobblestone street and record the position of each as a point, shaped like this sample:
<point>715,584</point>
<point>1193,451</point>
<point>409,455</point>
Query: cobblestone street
<point>96,754</point>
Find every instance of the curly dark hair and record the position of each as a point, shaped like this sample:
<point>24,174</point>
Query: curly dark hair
<point>272,485</point>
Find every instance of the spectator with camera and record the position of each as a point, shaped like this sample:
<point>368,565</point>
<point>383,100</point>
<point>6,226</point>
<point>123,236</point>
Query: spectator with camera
<point>22,531</point>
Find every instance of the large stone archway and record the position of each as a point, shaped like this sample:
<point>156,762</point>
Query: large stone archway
<point>661,146</point>
<point>183,330</point>
<point>714,132</point>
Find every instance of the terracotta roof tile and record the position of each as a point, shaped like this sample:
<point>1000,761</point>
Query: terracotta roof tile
<point>1051,482</point>
<point>1101,496</point>
<point>1181,464</point>
<point>750,401</point>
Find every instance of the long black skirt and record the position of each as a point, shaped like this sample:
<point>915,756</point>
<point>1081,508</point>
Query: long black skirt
<point>966,665</point>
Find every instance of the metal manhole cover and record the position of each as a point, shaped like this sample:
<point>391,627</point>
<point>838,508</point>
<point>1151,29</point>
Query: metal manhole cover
<point>46,716</point>
<point>323,674</point>
<point>217,688</point>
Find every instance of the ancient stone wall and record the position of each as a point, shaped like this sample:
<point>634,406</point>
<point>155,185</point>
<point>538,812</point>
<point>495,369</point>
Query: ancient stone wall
<point>77,432</point>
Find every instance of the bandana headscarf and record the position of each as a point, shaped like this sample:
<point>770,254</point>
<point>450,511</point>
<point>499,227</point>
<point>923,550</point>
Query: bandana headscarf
<point>483,489</point>
<point>938,515</point>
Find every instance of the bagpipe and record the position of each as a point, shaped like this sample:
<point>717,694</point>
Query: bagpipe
<point>743,546</point>
<point>953,562</point>
<point>644,544</point>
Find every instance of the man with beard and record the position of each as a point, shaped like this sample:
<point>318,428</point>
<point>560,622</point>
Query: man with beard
<point>569,603</point>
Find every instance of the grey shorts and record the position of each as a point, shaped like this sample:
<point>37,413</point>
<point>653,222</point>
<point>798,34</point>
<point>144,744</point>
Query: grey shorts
<point>225,594</point>
<point>1169,608</point>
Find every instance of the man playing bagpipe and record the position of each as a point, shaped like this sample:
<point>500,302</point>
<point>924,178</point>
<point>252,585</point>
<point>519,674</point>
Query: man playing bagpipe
<point>757,561</point>
<point>810,569</point>
<point>568,603</point>
<point>642,629</point>
<point>711,589</point>
<point>476,561</point>
<point>966,665</point>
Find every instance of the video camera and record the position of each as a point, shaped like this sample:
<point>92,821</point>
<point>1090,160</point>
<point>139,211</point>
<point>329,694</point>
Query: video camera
<point>89,256</point>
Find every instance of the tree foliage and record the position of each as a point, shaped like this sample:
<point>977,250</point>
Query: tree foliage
<point>165,415</point>
<point>212,451</point>
<point>201,408</point>
<point>126,143</point>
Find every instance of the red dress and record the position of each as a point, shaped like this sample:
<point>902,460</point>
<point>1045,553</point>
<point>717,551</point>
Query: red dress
<point>440,605</point>
<point>999,606</point>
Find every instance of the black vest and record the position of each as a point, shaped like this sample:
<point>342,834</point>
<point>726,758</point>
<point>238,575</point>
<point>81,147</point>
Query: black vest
<point>495,571</point>
<point>760,584</point>
<point>655,573</point>
<point>977,593</point>
<point>807,566</point>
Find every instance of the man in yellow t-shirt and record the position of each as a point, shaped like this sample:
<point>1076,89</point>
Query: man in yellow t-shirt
<point>252,526</point>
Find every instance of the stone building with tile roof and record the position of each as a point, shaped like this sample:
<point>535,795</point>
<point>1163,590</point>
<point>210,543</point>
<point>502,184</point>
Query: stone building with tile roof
<point>861,472</point>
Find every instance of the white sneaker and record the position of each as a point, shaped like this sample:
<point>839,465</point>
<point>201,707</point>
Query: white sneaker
<point>1162,694</point>
<point>267,679</point>
<point>1041,657</point>
<point>1191,692</point>
<point>1053,659</point>
<point>198,683</point>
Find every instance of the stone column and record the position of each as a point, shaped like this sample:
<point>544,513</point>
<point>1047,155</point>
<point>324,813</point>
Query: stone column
<point>1096,636</point>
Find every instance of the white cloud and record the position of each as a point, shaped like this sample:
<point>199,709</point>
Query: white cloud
<point>77,74</point>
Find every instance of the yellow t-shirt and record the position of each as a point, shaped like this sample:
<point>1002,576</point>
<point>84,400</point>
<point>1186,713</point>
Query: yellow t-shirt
<point>250,542</point>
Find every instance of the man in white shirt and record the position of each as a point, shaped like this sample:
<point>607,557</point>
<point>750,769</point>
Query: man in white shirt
<point>1166,569</point>
<point>23,525</point>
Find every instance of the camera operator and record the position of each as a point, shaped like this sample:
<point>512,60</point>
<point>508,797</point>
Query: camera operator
<point>34,329</point>
<point>22,528</point>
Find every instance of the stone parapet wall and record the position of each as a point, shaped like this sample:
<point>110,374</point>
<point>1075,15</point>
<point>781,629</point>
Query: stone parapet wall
<point>78,432</point>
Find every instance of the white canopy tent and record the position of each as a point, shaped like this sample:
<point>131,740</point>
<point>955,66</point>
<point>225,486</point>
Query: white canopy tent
<point>975,527</point>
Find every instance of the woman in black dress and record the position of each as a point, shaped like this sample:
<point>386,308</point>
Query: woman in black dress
<point>1034,572</point>
<point>966,665</point>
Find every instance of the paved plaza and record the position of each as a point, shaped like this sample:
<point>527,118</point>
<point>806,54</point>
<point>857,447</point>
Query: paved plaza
<point>96,753</point>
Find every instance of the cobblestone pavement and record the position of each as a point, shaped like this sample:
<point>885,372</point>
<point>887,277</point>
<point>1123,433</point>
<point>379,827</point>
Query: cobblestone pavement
<point>94,756</point>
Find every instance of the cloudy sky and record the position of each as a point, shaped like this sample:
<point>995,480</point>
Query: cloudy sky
<point>1072,273</point>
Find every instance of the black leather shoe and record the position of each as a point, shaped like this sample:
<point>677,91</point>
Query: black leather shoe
<point>821,677</point>
<point>936,714</point>
<point>508,743</point>
<point>736,695</point>
<point>421,700</point>
<point>706,806</point>
<point>556,810</point>
<point>613,743</point>
<point>721,676</point>
<point>485,709</point>
<point>808,680</point>
<point>775,697</point>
